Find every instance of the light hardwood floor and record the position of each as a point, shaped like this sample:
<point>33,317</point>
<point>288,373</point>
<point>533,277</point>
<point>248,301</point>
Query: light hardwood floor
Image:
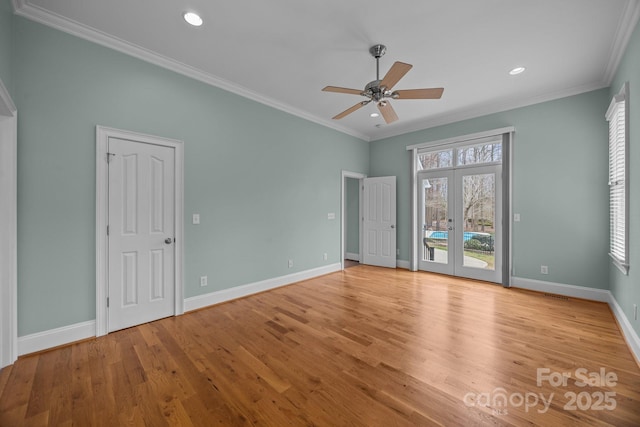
<point>363,347</point>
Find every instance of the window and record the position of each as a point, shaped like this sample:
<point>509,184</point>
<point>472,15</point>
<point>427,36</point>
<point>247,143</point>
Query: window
<point>467,153</point>
<point>484,153</point>
<point>617,116</point>
<point>435,159</point>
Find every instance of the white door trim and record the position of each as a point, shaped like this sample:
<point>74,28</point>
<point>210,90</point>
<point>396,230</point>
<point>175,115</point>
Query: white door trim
<point>343,209</point>
<point>8,229</point>
<point>102,195</point>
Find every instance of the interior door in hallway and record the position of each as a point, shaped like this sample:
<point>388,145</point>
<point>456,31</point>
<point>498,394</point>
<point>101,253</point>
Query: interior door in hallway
<point>379,221</point>
<point>141,258</point>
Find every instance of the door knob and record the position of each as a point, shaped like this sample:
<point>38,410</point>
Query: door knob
<point>168,240</point>
<point>393,226</point>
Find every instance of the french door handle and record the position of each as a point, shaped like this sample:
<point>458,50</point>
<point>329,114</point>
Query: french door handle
<point>168,240</point>
<point>393,226</point>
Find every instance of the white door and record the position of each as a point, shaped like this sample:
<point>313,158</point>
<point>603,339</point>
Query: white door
<point>379,221</point>
<point>461,219</point>
<point>141,256</point>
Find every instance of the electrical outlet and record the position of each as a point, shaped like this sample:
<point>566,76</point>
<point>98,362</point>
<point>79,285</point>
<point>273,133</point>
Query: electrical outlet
<point>290,263</point>
<point>544,269</point>
<point>203,281</point>
<point>196,219</point>
<point>397,251</point>
<point>324,256</point>
<point>516,217</point>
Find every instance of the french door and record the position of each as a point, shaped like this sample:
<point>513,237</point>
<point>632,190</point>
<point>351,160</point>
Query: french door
<point>460,213</point>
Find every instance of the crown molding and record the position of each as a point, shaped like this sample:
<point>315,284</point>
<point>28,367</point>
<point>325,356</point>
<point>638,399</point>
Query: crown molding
<point>626,26</point>
<point>486,109</point>
<point>45,17</point>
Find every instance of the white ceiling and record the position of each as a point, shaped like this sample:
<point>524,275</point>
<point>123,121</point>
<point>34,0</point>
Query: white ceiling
<point>283,52</point>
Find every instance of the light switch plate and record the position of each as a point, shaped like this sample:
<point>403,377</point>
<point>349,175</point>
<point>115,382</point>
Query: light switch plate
<point>331,215</point>
<point>196,218</point>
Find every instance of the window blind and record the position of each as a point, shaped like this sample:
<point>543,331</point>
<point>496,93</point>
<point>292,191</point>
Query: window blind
<point>616,116</point>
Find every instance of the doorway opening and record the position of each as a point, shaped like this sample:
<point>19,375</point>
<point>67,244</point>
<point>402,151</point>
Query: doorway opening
<point>351,229</point>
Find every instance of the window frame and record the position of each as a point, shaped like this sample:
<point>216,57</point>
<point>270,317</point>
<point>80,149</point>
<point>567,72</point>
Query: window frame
<point>621,99</point>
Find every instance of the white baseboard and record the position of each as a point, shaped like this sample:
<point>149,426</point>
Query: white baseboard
<point>602,295</point>
<point>574,291</point>
<point>55,337</point>
<point>627,330</point>
<point>80,331</point>
<point>403,264</point>
<point>201,301</point>
<point>352,256</point>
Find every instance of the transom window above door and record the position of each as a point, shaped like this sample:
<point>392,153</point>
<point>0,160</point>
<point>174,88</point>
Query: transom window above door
<point>488,151</point>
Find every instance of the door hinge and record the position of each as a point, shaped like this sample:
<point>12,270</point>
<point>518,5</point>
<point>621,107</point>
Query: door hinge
<point>107,230</point>
<point>107,302</point>
<point>109,157</point>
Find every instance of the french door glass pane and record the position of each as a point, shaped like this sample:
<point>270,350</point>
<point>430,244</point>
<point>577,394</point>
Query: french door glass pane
<point>435,220</point>
<point>478,211</point>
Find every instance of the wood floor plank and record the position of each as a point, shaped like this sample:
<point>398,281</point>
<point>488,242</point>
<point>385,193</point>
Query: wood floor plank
<point>362,347</point>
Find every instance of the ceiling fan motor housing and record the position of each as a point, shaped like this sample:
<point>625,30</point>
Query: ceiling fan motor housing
<point>374,91</point>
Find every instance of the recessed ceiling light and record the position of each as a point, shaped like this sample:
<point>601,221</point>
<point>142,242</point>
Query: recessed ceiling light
<point>374,115</point>
<point>516,71</point>
<point>193,18</point>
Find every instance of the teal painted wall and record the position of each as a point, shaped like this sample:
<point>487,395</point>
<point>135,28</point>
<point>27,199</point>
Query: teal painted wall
<point>352,215</point>
<point>6,24</point>
<point>559,185</point>
<point>626,289</point>
<point>262,180</point>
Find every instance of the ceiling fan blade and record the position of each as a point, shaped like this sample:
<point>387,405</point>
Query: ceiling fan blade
<point>397,71</point>
<point>433,93</point>
<point>342,90</point>
<point>387,111</point>
<point>348,111</point>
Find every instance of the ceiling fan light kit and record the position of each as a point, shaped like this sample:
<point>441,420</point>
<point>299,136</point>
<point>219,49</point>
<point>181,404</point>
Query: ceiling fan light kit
<point>379,91</point>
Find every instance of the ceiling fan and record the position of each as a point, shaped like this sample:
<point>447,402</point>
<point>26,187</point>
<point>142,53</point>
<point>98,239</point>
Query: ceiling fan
<point>380,90</point>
